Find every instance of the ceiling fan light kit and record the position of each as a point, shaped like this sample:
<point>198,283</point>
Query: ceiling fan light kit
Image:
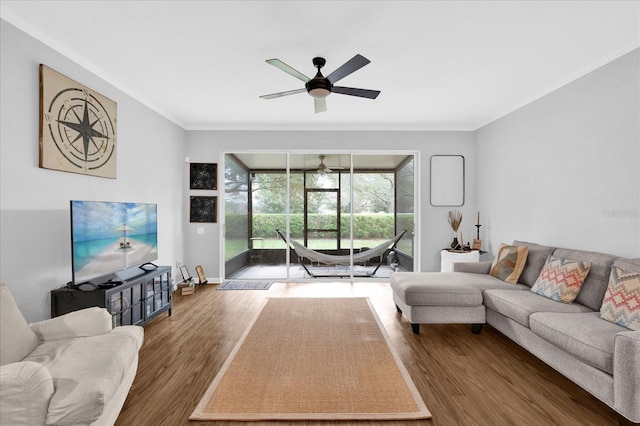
<point>323,169</point>
<point>319,87</point>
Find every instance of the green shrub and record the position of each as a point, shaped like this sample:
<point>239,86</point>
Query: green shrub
<point>366,225</point>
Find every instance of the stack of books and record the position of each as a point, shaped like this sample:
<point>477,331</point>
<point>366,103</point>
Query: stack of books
<point>186,287</point>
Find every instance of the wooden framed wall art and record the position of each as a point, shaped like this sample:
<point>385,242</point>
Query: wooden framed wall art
<point>201,275</point>
<point>78,127</point>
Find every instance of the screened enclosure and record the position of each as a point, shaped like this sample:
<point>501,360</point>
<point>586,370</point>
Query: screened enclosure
<point>333,204</point>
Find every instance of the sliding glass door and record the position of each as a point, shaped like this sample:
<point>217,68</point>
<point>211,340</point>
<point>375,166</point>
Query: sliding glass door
<point>336,204</point>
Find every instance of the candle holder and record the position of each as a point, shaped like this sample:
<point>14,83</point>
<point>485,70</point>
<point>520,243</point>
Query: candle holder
<point>477,243</point>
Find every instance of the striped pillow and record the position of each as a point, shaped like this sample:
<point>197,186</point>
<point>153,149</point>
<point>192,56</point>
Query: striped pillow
<point>621,303</point>
<point>509,262</point>
<point>561,279</point>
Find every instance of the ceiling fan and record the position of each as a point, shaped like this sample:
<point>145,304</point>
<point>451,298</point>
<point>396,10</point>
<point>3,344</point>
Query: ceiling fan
<point>319,87</point>
<point>323,169</point>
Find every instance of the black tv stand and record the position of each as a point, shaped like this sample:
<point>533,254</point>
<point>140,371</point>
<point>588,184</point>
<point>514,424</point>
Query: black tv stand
<point>135,301</point>
<point>148,266</point>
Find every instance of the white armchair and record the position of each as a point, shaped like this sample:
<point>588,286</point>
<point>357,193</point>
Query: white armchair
<point>69,370</point>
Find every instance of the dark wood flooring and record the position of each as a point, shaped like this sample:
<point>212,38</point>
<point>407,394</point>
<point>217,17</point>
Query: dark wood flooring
<point>464,379</point>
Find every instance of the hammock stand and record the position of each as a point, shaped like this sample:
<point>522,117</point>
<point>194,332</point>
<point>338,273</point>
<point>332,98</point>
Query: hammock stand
<point>303,252</point>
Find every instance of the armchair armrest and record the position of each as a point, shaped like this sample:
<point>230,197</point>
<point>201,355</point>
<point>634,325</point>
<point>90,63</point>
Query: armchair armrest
<point>25,391</point>
<point>85,322</point>
<point>626,374</point>
<point>473,267</point>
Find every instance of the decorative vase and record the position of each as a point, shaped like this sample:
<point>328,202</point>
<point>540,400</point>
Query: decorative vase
<point>455,245</point>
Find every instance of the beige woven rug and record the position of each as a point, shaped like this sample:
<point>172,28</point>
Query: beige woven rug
<point>313,359</point>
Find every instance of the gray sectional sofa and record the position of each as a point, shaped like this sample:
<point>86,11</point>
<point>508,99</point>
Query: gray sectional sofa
<point>598,355</point>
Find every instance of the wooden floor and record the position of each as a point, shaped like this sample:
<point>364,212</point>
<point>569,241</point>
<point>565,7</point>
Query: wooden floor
<point>464,379</point>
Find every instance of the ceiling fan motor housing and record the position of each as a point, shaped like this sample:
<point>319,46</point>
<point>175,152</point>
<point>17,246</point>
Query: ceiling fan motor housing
<point>319,86</point>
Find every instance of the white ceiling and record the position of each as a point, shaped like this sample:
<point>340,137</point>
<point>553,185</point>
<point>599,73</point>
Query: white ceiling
<point>441,65</point>
<point>278,161</point>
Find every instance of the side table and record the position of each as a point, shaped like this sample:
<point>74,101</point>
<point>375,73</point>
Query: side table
<point>449,257</point>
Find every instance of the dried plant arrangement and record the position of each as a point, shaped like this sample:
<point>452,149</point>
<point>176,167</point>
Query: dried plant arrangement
<point>455,219</point>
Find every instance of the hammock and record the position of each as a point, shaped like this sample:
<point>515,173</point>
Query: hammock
<point>330,259</point>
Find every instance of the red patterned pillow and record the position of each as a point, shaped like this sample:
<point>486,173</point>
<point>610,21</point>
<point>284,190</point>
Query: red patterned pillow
<point>621,303</point>
<point>561,279</point>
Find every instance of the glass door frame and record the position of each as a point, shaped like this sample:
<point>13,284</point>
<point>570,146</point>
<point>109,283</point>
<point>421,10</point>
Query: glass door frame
<point>287,153</point>
<point>306,229</point>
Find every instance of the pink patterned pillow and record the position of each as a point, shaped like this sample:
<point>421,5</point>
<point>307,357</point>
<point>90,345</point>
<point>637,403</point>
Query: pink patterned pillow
<point>561,279</point>
<point>621,303</point>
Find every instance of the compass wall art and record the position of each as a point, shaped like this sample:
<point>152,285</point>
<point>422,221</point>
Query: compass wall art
<point>78,127</point>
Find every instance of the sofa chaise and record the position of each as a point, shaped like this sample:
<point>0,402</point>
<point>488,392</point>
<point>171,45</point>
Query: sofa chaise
<point>74,369</point>
<point>599,355</point>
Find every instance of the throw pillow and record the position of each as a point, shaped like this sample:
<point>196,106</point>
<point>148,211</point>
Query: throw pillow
<point>621,303</point>
<point>561,279</point>
<point>509,262</point>
<point>17,340</point>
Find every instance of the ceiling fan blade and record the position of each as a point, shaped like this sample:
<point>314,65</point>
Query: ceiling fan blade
<point>363,93</point>
<point>281,94</point>
<point>352,65</point>
<point>320,104</point>
<point>289,70</point>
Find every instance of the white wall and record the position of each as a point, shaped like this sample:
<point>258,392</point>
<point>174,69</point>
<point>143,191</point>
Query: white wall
<point>435,232</point>
<point>564,170</point>
<point>34,217</point>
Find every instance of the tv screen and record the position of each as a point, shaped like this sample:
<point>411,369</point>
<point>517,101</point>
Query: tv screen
<point>107,237</point>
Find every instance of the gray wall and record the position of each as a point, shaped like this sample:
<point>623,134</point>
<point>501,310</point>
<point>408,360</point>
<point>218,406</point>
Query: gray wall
<point>34,203</point>
<point>203,146</point>
<point>564,170</point>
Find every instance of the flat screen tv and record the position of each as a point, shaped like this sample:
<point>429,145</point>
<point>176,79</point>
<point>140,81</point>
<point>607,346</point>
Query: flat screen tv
<point>110,237</point>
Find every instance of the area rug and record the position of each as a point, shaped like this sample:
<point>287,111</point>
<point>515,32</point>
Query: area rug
<point>245,285</point>
<point>313,359</point>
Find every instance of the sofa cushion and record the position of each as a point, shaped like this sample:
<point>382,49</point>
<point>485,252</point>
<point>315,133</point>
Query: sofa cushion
<point>629,265</point>
<point>592,291</point>
<point>621,303</point>
<point>445,288</point>
<point>17,339</point>
<point>585,336</point>
<point>561,279</point>
<point>509,262</point>
<point>434,289</point>
<point>519,305</point>
<point>25,391</point>
<point>86,372</point>
<point>536,257</point>
<point>482,267</point>
<point>82,323</point>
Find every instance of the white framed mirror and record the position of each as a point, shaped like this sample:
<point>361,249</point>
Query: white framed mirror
<point>447,180</point>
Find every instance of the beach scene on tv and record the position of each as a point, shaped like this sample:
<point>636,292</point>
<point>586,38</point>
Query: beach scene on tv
<point>109,237</point>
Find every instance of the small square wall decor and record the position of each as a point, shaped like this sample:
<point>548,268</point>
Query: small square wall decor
<point>204,209</point>
<point>77,127</point>
<point>203,176</point>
